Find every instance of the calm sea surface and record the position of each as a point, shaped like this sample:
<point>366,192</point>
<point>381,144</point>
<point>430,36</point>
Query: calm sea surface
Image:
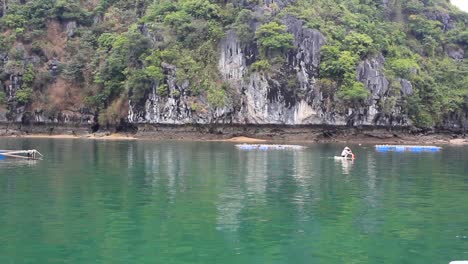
<point>203,202</point>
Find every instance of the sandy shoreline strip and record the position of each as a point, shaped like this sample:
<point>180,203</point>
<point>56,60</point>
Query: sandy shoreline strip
<point>459,141</point>
<point>241,140</point>
<point>244,139</point>
<point>90,136</point>
<point>125,137</point>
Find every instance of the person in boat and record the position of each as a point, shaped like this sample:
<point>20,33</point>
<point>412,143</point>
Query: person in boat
<point>347,153</point>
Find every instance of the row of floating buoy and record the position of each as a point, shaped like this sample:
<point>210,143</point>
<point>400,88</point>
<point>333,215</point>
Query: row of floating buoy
<point>380,148</point>
<point>268,147</point>
<point>403,148</point>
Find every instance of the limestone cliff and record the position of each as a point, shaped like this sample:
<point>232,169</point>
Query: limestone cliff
<point>266,99</point>
<point>100,63</point>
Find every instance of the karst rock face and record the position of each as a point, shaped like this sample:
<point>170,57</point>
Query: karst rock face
<point>69,58</point>
<point>268,98</point>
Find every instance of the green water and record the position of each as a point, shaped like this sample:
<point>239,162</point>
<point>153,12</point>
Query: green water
<point>193,202</point>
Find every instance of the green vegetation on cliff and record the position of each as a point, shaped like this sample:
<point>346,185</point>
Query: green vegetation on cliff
<point>96,56</point>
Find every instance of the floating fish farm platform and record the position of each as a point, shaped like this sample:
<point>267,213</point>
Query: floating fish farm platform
<point>404,148</point>
<point>268,147</point>
<point>21,154</point>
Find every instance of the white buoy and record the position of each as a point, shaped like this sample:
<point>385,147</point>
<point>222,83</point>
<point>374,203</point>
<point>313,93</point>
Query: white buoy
<point>268,147</point>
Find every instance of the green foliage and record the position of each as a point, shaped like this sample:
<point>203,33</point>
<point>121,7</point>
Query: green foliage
<point>353,93</point>
<point>329,67</point>
<point>5,44</point>
<point>336,64</point>
<point>12,20</point>
<point>38,12</point>
<point>459,36</point>
<point>346,64</point>
<point>158,11</point>
<point>169,55</point>
<point>339,68</point>
<point>123,52</point>
<point>261,66</point>
<point>192,21</point>
<point>388,104</point>
<point>216,97</point>
<point>413,6</point>
<point>23,15</point>
<point>179,20</point>
<point>24,95</point>
<point>423,27</point>
<point>106,41</point>
<point>201,9</point>
<point>14,67</point>
<point>242,26</point>
<point>103,6</point>
<point>272,37</point>
<point>29,75</point>
<point>162,90</point>
<point>154,72</point>
<point>69,10</point>
<point>139,83</point>
<point>404,68</point>
<point>3,97</point>
<point>420,116</point>
<point>358,43</point>
<point>449,82</point>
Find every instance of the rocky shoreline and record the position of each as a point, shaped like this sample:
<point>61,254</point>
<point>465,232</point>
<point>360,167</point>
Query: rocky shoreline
<point>241,133</point>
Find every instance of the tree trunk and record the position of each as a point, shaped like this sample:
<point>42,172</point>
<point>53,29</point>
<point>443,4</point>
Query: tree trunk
<point>4,8</point>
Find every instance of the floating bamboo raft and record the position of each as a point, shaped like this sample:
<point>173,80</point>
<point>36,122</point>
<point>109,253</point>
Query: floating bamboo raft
<point>21,154</point>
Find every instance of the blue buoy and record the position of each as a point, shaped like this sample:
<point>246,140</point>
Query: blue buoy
<point>2,157</point>
<point>382,148</point>
<point>402,148</point>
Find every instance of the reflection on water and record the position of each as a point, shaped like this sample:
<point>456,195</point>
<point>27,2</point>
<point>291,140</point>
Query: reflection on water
<point>346,165</point>
<point>12,163</point>
<point>180,202</point>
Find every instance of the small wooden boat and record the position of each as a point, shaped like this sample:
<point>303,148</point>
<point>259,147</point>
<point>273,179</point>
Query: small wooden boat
<point>21,154</point>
